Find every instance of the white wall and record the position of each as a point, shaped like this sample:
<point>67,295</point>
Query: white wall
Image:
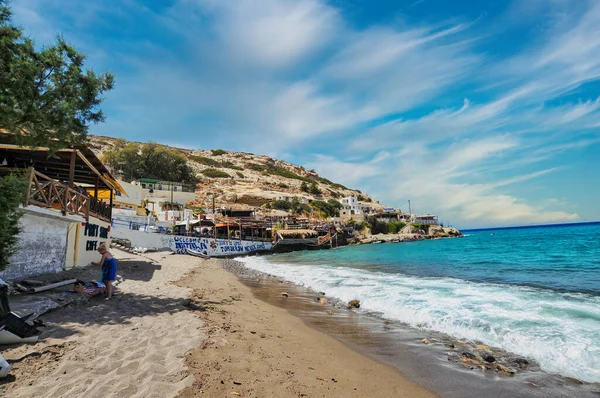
<point>148,240</point>
<point>89,236</point>
<point>134,194</point>
<point>42,247</point>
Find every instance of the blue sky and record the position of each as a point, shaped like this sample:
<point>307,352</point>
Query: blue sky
<point>486,113</point>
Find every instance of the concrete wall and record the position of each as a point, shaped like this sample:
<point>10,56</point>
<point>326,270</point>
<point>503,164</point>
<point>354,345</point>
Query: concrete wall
<point>150,241</point>
<point>134,197</point>
<point>42,247</point>
<point>88,237</point>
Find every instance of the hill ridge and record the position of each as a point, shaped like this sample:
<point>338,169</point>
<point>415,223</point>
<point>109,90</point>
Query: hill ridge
<point>245,180</point>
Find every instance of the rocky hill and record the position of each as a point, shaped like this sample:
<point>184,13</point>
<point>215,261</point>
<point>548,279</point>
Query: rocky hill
<point>246,180</point>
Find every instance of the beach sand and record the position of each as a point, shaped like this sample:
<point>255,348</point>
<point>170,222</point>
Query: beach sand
<point>149,341</point>
<point>130,346</point>
<point>255,349</point>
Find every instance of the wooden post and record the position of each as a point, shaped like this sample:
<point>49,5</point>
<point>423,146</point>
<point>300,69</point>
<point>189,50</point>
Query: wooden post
<point>28,193</point>
<point>72,169</point>
<point>96,187</point>
<point>70,183</point>
<point>110,191</point>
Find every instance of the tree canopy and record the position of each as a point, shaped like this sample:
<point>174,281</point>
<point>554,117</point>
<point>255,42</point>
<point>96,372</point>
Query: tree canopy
<point>149,160</point>
<point>47,98</point>
<point>331,208</point>
<point>12,190</point>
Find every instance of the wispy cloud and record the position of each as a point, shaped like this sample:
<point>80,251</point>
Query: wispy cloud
<point>426,109</point>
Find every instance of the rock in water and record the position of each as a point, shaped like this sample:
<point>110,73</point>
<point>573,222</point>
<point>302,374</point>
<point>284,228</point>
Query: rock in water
<point>487,357</point>
<point>520,362</point>
<point>284,294</point>
<point>323,300</point>
<point>505,369</point>
<point>469,355</point>
<point>354,304</point>
<point>425,341</point>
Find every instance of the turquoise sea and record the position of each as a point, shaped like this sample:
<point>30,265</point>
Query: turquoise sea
<point>531,291</point>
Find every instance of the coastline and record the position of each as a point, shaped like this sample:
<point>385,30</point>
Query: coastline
<point>184,326</point>
<point>254,348</point>
<point>432,365</point>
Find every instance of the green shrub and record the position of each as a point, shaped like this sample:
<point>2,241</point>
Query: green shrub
<point>12,193</point>
<point>331,208</point>
<point>314,189</point>
<point>240,174</point>
<point>254,166</point>
<point>212,173</point>
<point>229,165</point>
<point>281,205</point>
<point>217,152</point>
<point>395,227</point>
<point>205,161</point>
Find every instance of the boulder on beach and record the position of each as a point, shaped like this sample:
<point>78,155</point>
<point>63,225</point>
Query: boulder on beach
<point>452,231</point>
<point>354,304</point>
<point>436,231</point>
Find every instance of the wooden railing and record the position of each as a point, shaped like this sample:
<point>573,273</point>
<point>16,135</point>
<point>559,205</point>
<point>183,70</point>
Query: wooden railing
<point>44,191</point>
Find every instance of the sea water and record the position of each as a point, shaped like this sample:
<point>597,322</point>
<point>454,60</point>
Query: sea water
<point>532,291</point>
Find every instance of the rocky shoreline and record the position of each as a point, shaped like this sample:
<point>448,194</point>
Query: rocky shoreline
<point>409,234</point>
<point>471,356</point>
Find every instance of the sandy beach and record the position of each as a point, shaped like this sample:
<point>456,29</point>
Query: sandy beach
<point>182,326</point>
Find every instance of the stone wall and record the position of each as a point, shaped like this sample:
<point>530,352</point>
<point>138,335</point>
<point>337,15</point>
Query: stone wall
<point>42,247</point>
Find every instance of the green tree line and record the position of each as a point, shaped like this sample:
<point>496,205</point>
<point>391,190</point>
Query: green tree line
<point>134,161</point>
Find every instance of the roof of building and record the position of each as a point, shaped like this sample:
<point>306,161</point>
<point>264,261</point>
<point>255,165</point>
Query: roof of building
<point>88,168</point>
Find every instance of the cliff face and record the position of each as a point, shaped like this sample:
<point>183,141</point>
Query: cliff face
<point>245,180</point>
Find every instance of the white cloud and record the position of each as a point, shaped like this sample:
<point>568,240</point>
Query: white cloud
<point>427,112</point>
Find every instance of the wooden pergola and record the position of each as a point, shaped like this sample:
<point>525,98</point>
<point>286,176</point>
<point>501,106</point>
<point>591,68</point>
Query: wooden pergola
<point>61,180</point>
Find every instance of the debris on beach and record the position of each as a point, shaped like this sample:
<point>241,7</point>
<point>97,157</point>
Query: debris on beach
<point>425,341</point>
<point>323,300</point>
<point>284,294</point>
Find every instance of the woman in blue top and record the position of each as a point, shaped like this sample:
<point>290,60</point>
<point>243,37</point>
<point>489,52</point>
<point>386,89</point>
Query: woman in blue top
<point>109,269</point>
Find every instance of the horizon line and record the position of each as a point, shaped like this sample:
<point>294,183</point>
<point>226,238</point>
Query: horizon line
<point>532,226</point>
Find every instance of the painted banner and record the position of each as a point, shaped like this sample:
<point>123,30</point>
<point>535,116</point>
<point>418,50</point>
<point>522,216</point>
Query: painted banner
<point>213,247</point>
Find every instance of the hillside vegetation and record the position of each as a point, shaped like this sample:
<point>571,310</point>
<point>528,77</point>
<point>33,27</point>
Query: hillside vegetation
<point>236,179</point>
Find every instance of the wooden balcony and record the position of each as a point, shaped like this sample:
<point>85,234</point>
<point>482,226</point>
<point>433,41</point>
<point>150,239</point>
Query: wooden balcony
<point>46,192</point>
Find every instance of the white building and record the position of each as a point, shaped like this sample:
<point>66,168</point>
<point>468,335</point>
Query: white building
<point>350,203</point>
<point>426,219</point>
<point>158,185</point>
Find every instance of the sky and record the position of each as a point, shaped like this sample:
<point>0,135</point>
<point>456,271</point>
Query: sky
<point>484,113</point>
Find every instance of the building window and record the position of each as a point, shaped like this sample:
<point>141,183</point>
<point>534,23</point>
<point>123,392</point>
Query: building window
<point>143,185</point>
<point>159,187</point>
<point>174,189</point>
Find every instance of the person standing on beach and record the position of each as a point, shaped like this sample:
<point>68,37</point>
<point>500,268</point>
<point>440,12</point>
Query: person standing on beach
<point>109,269</point>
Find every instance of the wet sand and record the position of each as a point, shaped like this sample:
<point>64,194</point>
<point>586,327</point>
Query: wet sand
<point>402,347</point>
<point>255,349</point>
<point>180,325</point>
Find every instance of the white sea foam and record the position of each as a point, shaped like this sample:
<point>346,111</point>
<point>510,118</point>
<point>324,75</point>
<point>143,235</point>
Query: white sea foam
<point>559,330</point>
